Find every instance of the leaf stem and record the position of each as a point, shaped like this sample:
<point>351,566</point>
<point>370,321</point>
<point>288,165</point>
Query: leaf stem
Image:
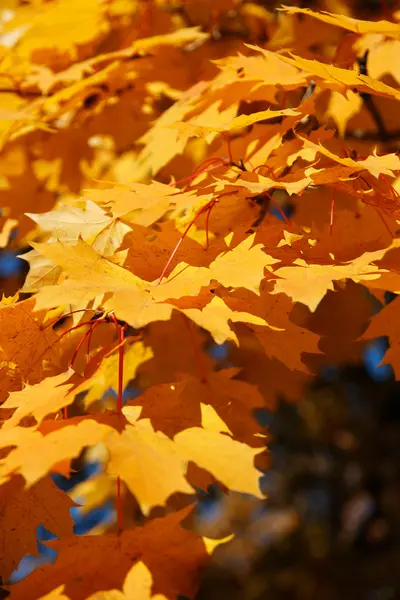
<point>121,334</point>
<point>331,212</point>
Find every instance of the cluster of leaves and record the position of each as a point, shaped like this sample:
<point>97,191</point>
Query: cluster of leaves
<point>185,175</point>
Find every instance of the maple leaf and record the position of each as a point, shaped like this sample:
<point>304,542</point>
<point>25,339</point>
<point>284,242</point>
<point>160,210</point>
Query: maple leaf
<point>234,401</point>
<point>48,396</point>
<point>340,319</point>
<point>68,223</point>
<point>335,77</point>
<point>356,25</point>
<point>56,594</point>
<point>262,184</point>
<point>162,143</point>
<point>342,107</point>
<point>138,584</point>
<point>89,273</point>
<point>267,68</point>
<point>215,316</point>
<point>243,266</point>
<point>161,403</point>
<point>184,280</point>
<point>385,323</point>
<point>285,340</point>
<point>308,283</point>
<point>92,276</point>
<point>138,309</point>
<point>272,377</point>
<point>143,204</point>
<point>189,129</point>
<point>375,164</point>
<point>139,302</point>
<point>102,562</point>
<point>24,345</point>
<point>137,453</point>
<point>149,463</point>
<point>36,454</point>
<point>42,271</point>
<point>106,376</point>
<point>22,511</point>
<point>229,461</point>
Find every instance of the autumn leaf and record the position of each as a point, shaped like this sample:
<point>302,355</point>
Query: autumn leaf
<point>24,510</point>
<point>235,402</point>
<point>215,316</point>
<point>102,562</point>
<point>356,25</point>
<point>90,275</point>
<point>308,283</point>
<point>68,223</point>
<point>48,396</point>
<point>24,344</point>
<point>262,184</point>
<point>140,203</point>
<point>106,376</point>
<point>208,131</point>
<point>243,266</point>
<point>137,584</point>
<point>375,164</point>
<point>229,461</point>
<point>149,463</point>
<point>385,323</point>
<point>36,454</point>
<point>336,78</point>
<point>162,143</point>
<point>286,340</point>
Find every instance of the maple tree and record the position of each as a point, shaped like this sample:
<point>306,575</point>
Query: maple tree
<point>177,176</point>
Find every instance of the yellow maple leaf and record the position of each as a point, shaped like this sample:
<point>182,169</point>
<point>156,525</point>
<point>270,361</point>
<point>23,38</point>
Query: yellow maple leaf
<point>211,421</point>
<point>342,107</point>
<point>184,280</point>
<point>376,165</point>
<point>356,25</point>
<point>137,586</point>
<point>214,318</point>
<point>162,143</point>
<point>138,308</point>
<point>262,184</point>
<point>149,463</point>
<point>229,461</point>
<point>48,396</point>
<point>243,266</point>
<point>266,69</point>
<point>106,376</point>
<point>36,454</point>
<point>335,77</point>
<point>89,275</point>
<point>57,594</point>
<point>143,204</point>
<point>67,222</point>
<point>208,131</point>
<point>308,283</point>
